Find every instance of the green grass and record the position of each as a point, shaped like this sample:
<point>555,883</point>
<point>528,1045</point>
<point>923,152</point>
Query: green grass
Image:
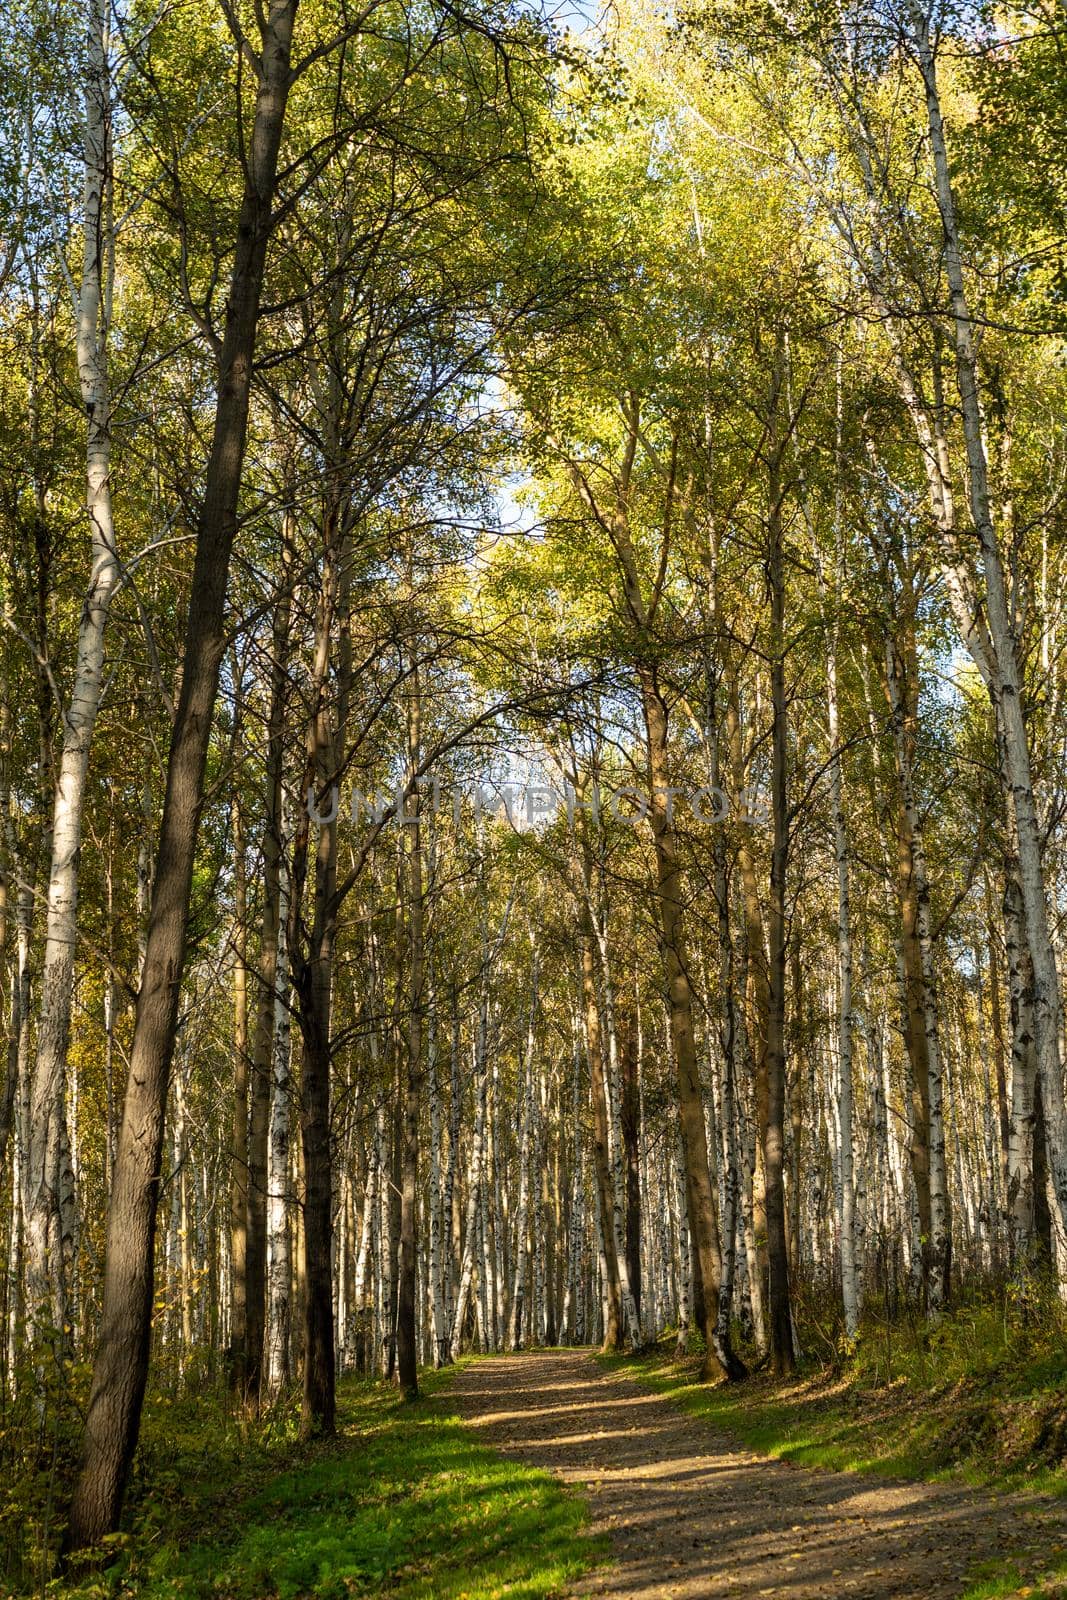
<point>999,1580</point>
<point>972,1398</point>
<point>405,1502</point>
<point>834,1422</point>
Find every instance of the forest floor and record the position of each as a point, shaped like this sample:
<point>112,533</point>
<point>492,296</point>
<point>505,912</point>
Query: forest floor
<point>562,1473</point>
<point>688,1511</point>
<point>403,1503</point>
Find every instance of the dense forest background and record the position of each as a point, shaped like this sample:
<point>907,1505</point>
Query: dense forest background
<point>532,738</point>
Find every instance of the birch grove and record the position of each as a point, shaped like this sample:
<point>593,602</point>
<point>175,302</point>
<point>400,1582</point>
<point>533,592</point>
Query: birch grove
<point>553,828</point>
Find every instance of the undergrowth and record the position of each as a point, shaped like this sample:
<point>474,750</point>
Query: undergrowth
<point>980,1396</point>
<point>403,1502</point>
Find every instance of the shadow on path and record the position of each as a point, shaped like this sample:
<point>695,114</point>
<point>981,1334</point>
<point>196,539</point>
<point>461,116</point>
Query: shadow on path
<point>689,1513</point>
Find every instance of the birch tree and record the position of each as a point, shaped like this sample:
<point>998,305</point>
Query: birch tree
<point>93,309</point>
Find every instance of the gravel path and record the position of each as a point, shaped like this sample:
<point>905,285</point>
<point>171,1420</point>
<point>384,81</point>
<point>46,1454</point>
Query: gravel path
<point>689,1513</point>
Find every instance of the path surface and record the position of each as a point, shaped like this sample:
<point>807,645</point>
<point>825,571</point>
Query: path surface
<point>689,1513</point>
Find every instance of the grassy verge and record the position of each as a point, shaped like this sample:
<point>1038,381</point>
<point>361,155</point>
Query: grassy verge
<point>403,1503</point>
<point>975,1399</point>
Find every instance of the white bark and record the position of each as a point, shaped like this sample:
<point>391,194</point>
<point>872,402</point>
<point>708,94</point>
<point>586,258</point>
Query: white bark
<point>386,1254</point>
<point>1019,1200</point>
<point>522,1215</point>
<point>627,1303</point>
<point>940,1243</point>
<point>850,1293</point>
<point>279,1248</point>
<point>540,1234</point>
<point>449,1208</point>
<point>571,1318</point>
<point>438,1219</point>
<point>496,1214</point>
<point>93,311</point>
<point>747,1145</point>
<point>474,1189</point>
<point>680,1211</point>
<point>1007,686</point>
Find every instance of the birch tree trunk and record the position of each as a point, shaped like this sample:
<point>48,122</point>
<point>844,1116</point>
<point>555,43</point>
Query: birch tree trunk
<point>407,1343</point>
<point>279,1249</point>
<point>312,948</point>
<point>703,1221</point>
<point>518,1288</point>
<point>271,984</point>
<point>486,1284</point>
<point>18,1035</point>
<point>757,992</point>
<point>1001,1056</point>
<point>1020,1196</point>
<point>778,1292</point>
<point>492,1221</point>
<point>474,1186</point>
<point>438,1213</point>
<point>849,1275</point>
<point>388,1234</point>
<point>363,1284</point>
<point>902,702</point>
<point>312,971</point>
<point>1007,684</point>
<point>614,1330</point>
<point>239,1132</point>
<point>748,1142</point>
<point>571,1321</point>
<point>618,1258</point>
<point>630,1127</point>
<point>450,1200</point>
<point>680,1213</point>
<point>93,316</point>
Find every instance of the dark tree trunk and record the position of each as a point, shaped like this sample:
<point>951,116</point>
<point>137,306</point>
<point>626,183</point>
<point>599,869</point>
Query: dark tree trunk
<point>1042,1212</point>
<point>311,954</point>
<point>121,1367</point>
<point>720,1359</point>
<point>318,1416</point>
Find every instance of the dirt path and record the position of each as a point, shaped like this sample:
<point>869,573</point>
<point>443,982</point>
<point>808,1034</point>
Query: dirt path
<point>689,1513</point>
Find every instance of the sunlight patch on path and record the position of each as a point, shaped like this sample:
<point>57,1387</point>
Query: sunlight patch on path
<point>691,1516</point>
